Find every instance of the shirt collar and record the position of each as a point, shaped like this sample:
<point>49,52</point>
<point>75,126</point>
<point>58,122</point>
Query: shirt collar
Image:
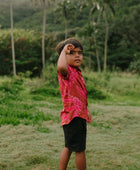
<point>75,68</point>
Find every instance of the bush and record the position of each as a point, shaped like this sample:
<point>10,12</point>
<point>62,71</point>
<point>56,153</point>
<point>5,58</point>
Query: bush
<point>46,91</point>
<point>28,51</point>
<point>95,93</point>
<point>9,90</point>
<point>95,82</point>
<point>135,66</point>
<point>50,76</point>
<point>49,83</point>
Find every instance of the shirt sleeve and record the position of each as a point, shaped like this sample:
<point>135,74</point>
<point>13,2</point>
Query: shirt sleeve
<point>68,74</point>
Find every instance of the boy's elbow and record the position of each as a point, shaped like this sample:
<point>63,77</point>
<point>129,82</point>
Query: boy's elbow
<point>63,70</point>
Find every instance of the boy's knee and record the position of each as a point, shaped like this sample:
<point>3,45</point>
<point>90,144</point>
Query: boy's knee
<point>80,152</point>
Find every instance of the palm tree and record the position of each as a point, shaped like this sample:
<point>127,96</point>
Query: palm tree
<point>102,7</point>
<point>94,6</point>
<point>66,9</point>
<point>96,24</point>
<point>106,4</point>
<point>44,3</point>
<point>106,37</point>
<point>12,38</point>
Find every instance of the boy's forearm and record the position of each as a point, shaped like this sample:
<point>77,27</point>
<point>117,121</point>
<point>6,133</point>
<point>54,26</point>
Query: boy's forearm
<point>90,117</point>
<point>62,63</point>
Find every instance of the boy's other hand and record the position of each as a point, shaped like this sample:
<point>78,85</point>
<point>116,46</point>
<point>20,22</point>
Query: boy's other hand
<point>90,117</point>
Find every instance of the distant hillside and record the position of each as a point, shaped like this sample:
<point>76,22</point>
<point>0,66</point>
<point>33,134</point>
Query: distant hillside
<point>27,17</point>
<point>21,9</point>
<point>123,27</point>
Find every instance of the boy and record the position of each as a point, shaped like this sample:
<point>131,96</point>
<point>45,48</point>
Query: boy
<point>74,96</point>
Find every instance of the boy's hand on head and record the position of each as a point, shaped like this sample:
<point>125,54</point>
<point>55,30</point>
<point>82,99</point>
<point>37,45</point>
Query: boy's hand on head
<point>62,61</point>
<point>68,48</point>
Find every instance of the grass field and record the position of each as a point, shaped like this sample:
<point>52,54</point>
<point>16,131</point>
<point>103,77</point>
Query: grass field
<point>31,137</point>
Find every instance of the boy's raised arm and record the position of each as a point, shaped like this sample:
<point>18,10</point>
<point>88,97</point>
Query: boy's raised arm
<point>62,63</point>
<point>62,60</point>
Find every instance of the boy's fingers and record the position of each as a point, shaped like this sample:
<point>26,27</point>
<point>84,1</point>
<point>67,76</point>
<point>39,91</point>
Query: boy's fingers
<point>70,47</point>
<point>90,118</point>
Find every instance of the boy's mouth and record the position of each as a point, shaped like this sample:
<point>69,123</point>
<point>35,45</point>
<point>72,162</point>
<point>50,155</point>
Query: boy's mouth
<point>77,60</point>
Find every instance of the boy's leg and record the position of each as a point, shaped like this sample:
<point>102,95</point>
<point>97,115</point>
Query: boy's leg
<point>64,158</point>
<point>80,160</point>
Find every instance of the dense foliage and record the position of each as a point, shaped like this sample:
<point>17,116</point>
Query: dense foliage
<point>27,51</point>
<point>123,26</point>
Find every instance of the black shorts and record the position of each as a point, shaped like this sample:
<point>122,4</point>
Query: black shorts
<point>75,135</point>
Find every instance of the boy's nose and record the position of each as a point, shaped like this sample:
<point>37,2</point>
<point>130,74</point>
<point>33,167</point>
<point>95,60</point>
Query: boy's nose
<point>77,53</point>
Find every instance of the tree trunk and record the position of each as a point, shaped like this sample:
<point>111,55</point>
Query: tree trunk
<point>97,56</point>
<point>43,33</point>
<point>66,31</point>
<point>106,39</point>
<point>12,39</point>
<point>97,52</point>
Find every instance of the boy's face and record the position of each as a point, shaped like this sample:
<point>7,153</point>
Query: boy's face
<point>75,57</point>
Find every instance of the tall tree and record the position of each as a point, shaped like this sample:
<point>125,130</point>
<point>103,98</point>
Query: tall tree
<point>43,3</point>
<point>12,38</point>
<point>106,37</point>
<point>95,24</point>
<point>66,9</point>
<point>103,7</point>
<point>107,5</point>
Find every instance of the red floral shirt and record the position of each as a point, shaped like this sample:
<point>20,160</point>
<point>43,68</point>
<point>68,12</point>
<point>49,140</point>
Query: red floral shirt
<point>74,95</point>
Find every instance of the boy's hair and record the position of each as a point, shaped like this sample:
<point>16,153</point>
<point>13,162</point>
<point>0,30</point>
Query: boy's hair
<point>72,41</point>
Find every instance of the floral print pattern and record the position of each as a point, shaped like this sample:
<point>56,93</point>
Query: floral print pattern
<point>74,95</point>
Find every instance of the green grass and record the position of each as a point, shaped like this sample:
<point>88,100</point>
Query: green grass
<point>31,137</point>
